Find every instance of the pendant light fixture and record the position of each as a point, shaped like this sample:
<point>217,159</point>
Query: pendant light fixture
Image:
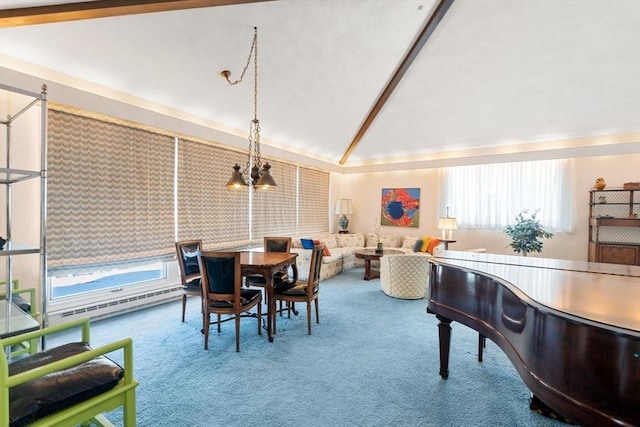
<point>254,172</point>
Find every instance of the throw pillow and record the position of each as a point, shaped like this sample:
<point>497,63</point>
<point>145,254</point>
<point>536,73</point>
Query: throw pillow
<point>425,243</point>
<point>432,245</point>
<point>307,243</point>
<point>418,246</point>
<point>325,249</point>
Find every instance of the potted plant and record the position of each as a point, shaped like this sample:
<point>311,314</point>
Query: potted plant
<point>526,233</point>
<point>376,229</point>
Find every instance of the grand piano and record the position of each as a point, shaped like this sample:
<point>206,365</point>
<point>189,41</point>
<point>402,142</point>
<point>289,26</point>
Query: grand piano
<point>571,329</point>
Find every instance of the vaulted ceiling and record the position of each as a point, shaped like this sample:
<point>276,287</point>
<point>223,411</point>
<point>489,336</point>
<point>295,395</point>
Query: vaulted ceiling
<point>494,75</point>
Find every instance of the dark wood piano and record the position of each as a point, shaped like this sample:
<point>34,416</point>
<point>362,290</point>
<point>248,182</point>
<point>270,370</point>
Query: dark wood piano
<point>571,329</point>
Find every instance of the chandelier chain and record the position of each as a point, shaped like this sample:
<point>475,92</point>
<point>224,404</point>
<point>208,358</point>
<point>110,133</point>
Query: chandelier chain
<point>254,172</point>
<point>254,47</point>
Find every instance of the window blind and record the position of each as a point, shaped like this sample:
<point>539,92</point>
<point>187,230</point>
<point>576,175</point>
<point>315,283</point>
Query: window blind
<point>313,200</point>
<point>207,210</point>
<point>274,211</point>
<point>109,192</point>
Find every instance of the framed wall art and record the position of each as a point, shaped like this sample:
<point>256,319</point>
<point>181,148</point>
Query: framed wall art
<point>400,207</point>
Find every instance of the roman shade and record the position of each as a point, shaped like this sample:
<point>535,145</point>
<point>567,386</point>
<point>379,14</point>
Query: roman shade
<point>110,192</point>
<point>313,199</point>
<point>274,211</point>
<point>207,210</point>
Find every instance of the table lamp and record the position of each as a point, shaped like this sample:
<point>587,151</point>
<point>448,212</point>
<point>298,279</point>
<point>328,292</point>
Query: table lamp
<point>343,208</point>
<point>447,225</point>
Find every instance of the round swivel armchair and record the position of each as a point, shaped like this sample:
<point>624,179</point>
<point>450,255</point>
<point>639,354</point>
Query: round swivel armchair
<point>404,276</point>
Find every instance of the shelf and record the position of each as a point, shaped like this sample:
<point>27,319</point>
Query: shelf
<point>10,176</point>
<point>615,203</point>
<point>593,190</point>
<point>615,222</point>
<point>12,248</point>
<point>19,243</point>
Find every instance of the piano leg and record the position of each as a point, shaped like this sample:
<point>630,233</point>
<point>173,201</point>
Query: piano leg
<point>444,335</point>
<point>482,343</point>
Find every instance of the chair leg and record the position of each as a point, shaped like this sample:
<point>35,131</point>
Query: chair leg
<point>309,316</point>
<point>184,305</point>
<point>275,316</point>
<point>219,330</point>
<point>237,332</point>
<point>130,409</point>
<point>317,311</point>
<point>206,331</point>
<point>259,319</point>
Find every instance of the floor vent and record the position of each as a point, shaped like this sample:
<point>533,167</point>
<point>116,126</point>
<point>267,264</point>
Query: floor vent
<point>111,308</point>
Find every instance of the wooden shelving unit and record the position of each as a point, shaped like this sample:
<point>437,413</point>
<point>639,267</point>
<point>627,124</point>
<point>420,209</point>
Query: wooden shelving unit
<point>614,226</point>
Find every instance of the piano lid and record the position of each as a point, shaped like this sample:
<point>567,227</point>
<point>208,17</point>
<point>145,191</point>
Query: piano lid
<point>607,294</point>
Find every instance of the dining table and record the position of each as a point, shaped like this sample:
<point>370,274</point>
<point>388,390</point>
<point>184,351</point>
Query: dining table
<point>267,264</point>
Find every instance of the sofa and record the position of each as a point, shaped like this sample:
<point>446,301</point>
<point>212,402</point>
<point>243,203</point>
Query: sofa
<point>341,250</point>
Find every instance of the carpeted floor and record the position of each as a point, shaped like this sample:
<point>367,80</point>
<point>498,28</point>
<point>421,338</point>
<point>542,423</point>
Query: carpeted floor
<point>372,361</point>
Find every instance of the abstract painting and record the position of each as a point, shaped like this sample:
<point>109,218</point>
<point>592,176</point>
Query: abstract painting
<point>400,207</point>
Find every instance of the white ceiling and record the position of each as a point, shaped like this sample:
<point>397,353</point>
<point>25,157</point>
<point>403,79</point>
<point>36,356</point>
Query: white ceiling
<point>495,72</point>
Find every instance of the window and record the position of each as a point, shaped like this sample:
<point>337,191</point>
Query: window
<point>490,196</point>
<point>120,194</point>
<point>111,280</point>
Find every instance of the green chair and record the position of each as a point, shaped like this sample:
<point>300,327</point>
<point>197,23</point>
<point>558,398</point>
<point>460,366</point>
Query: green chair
<point>66,385</point>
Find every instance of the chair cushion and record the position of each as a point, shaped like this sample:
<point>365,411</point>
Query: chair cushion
<point>59,390</point>
<point>22,303</point>
<point>193,286</point>
<point>190,260</point>
<point>259,280</point>
<point>246,296</point>
<point>297,289</point>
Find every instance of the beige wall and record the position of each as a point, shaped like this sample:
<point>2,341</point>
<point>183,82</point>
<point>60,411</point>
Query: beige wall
<point>365,190</point>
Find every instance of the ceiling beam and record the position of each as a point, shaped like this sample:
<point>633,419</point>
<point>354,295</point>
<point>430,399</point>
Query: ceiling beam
<point>428,29</point>
<point>101,9</point>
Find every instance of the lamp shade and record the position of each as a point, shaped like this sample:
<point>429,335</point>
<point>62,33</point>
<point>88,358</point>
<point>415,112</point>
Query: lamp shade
<point>447,223</point>
<point>343,207</point>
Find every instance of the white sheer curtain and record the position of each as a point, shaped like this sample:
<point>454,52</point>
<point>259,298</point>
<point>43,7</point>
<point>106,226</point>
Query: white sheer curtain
<point>490,196</point>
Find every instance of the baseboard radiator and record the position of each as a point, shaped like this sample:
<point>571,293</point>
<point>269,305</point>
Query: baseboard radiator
<point>117,306</point>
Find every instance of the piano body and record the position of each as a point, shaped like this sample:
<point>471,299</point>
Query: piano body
<point>571,329</point>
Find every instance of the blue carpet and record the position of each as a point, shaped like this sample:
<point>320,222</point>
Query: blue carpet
<point>372,361</point>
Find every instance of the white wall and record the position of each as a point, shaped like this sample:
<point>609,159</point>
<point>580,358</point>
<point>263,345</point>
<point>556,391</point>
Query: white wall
<point>365,190</point>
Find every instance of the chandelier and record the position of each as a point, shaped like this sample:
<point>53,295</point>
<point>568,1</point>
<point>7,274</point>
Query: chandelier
<point>254,172</point>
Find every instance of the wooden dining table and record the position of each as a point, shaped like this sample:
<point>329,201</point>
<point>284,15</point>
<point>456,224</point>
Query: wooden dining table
<point>267,264</point>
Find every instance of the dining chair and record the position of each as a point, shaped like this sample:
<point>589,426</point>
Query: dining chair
<point>223,293</point>
<point>274,244</point>
<point>187,251</point>
<point>306,292</point>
